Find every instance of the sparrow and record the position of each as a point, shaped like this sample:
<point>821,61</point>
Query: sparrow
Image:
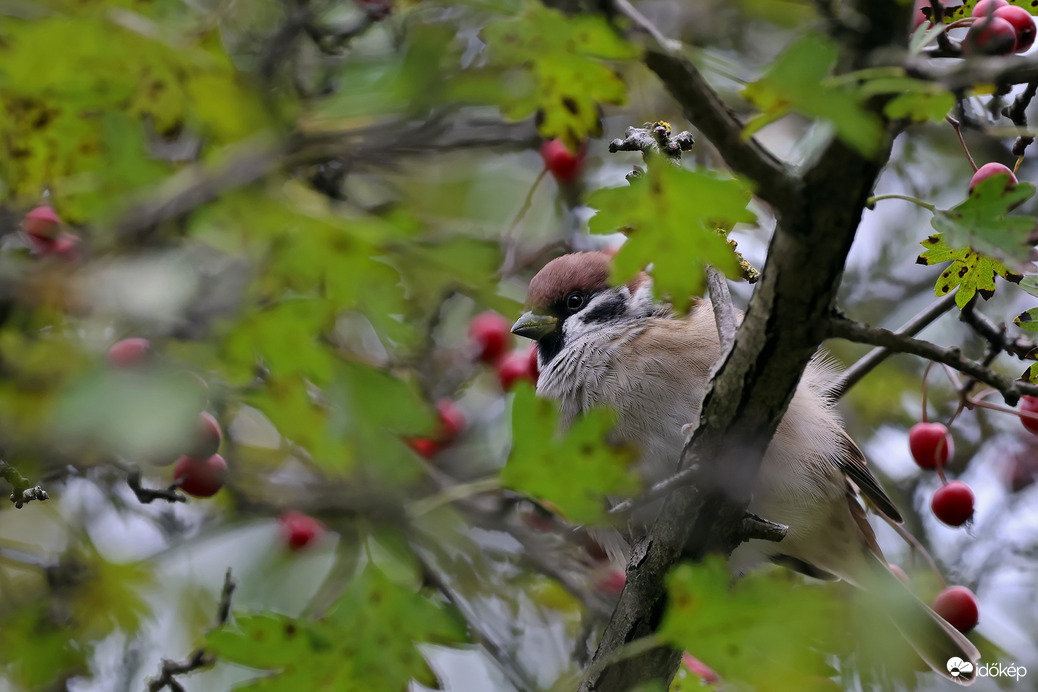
<point>617,347</point>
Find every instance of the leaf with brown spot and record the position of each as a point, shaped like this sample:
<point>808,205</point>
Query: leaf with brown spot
<point>970,271</point>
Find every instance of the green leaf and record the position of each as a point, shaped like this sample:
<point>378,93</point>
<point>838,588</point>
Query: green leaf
<point>561,58</point>
<point>797,82</point>
<point>1031,374</point>
<point>1030,284</point>
<point>981,222</point>
<point>762,631</point>
<point>956,12</point>
<point>970,271</point>
<point>574,469</point>
<point>672,216</point>
<point>1027,320</point>
<point>367,643</point>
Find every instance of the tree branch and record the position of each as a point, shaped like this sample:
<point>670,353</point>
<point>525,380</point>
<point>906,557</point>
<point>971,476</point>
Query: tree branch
<point>148,495</point>
<point>964,74</point>
<point>865,364</point>
<point>842,328</point>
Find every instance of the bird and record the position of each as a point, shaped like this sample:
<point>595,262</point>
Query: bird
<point>616,346</point>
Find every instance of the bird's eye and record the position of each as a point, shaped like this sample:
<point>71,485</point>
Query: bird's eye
<point>574,301</point>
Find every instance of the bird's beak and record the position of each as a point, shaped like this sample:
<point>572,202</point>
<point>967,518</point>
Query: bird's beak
<point>535,327</point>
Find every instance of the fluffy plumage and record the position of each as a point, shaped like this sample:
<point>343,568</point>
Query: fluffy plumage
<point>614,346</point>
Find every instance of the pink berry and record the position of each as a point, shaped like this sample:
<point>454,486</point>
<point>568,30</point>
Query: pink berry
<point>129,352</point>
<point>930,443</point>
<point>986,7</point>
<point>611,582</point>
<point>299,530</point>
<point>952,503</point>
<point>899,573</point>
<point>562,163</point>
<point>1023,24</point>
<point>958,606</point>
<point>492,334</point>
<point>200,477</point>
<point>990,36</point>
<point>42,222</point>
<point>990,170</point>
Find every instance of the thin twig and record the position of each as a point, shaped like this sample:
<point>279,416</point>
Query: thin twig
<point>148,495</point>
<point>843,328</point>
<point>199,658</point>
<point>22,491</point>
<point>867,363</point>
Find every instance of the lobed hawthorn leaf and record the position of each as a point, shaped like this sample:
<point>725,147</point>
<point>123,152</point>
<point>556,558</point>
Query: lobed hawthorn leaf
<point>763,630</point>
<point>368,642</point>
<point>982,222</point>
<point>915,99</point>
<point>970,271</point>
<point>964,10</point>
<point>671,216</point>
<point>562,58</point>
<point>1031,374</point>
<point>574,469</point>
<point>1027,320</point>
<point>797,82</point>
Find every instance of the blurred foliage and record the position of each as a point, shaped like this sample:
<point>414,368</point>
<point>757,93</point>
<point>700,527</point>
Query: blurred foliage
<point>365,642</point>
<point>672,214</point>
<point>575,470</point>
<point>797,81</point>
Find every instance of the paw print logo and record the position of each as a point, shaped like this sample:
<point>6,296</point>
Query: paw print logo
<point>959,668</point>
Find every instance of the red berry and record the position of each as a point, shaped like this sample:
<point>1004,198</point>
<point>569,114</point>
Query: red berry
<point>931,444</point>
<point>42,222</point>
<point>200,477</point>
<point>562,163</point>
<point>990,36</point>
<point>452,421</point>
<point>207,437</point>
<point>986,7</point>
<point>492,334</point>
<point>958,606</point>
<point>952,503</point>
<point>425,447</point>
<point>535,369</point>
<point>129,352</point>
<point>299,530</point>
<point>989,170</point>
<point>1023,24</point>
<point>1029,404</point>
<point>514,367</point>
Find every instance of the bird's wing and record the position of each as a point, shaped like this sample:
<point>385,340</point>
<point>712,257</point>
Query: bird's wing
<point>852,463</point>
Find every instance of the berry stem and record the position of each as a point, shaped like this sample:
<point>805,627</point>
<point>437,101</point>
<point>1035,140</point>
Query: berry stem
<point>871,201</point>
<point>923,388</point>
<point>1016,166</point>
<point>526,202</point>
<point>917,548</point>
<point>958,132</point>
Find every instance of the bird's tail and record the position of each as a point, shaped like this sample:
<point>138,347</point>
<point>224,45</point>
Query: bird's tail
<point>946,650</point>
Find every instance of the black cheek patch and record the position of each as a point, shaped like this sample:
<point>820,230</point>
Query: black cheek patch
<point>606,311</point>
